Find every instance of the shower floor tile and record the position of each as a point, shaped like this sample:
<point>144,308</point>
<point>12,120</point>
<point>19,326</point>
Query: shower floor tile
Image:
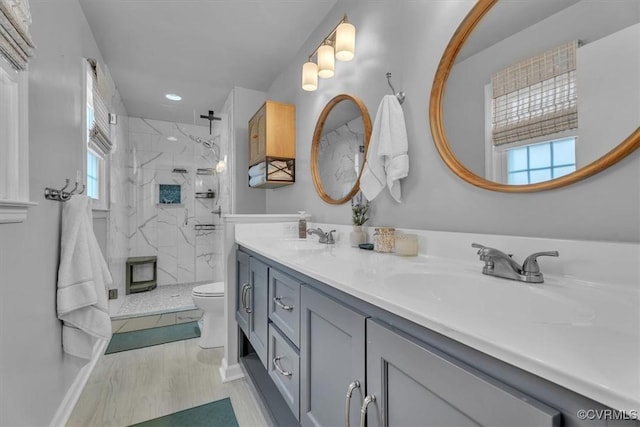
<point>163,299</point>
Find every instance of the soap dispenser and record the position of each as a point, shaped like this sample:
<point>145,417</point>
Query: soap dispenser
<point>302,225</point>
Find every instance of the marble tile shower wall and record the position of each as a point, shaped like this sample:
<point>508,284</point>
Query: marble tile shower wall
<point>168,231</point>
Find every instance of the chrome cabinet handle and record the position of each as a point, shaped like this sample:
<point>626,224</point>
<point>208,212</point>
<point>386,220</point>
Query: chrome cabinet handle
<point>354,385</point>
<point>281,371</point>
<point>247,309</point>
<point>243,295</point>
<point>278,301</point>
<point>363,410</point>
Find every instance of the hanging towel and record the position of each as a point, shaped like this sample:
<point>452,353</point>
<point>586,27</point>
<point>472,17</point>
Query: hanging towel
<point>83,280</point>
<point>387,159</point>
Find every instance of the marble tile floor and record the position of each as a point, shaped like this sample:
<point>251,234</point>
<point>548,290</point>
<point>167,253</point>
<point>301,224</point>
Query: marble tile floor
<point>137,385</point>
<point>162,299</point>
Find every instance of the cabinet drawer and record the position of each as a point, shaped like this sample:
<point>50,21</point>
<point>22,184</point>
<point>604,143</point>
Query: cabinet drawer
<point>284,369</point>
<point>284,304</point>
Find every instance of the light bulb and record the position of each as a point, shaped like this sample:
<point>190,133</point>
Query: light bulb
<point>310,76</point>
<point>326,61</point>
<point>345,41</point>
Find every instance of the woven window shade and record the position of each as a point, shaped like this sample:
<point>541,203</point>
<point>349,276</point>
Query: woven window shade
<point>101,130</point>
<point>16,45</point>
<point>536,97</point>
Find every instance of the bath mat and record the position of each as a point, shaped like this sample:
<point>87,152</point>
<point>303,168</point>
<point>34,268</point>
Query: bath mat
<point>215,414</point>
<point>147,337</point>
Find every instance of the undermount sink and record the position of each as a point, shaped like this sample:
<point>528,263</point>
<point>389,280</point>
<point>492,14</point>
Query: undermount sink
<point>489,296</point>
<point>301,245</point>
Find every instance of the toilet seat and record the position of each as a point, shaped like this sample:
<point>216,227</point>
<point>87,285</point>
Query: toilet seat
<point>215,289</point>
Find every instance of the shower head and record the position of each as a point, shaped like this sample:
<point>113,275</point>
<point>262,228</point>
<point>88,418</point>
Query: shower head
<point>211,117</point>
<point>207,143</point>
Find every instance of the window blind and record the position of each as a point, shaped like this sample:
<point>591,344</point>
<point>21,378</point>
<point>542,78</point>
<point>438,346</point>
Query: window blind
<point>536,97</point>
<point>16,45</point>
<point>101,130</point>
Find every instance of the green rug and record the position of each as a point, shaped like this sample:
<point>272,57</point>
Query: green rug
<point>215,414</point>
<point>147,337</point>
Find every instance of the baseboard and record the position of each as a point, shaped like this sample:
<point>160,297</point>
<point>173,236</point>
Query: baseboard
<point>230,373</point>
<point>63,413</point>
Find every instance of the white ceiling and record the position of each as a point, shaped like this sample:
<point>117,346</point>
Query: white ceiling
<point>198,49</point>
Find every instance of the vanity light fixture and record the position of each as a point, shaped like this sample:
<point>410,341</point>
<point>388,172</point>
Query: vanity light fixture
<point>339,44</point>
<point>173,97</point>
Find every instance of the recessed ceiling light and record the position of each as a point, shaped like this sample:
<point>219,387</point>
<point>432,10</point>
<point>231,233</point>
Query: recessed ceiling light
<point>173,97</point>
<point>172,138</point>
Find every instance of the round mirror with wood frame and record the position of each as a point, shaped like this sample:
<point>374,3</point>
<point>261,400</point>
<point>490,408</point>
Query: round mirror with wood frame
<point>339,148</point>
<point>448,154</point>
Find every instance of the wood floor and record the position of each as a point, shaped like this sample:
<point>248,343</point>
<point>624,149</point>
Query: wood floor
<point>137,385</point>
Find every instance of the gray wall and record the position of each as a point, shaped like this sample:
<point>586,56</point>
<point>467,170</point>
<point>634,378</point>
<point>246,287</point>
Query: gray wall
<point>35,375</point>
<point>407,39</point>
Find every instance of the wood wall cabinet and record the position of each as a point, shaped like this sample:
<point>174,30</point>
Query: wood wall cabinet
<point>272,136</point>
<point>272,132</point>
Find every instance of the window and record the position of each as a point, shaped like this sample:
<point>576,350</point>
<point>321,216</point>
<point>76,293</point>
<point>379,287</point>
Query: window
<point>14,144</point>
<point>98,142</point>
<point>16,48</point>
<point>532,118</point>
<point>534,163</point>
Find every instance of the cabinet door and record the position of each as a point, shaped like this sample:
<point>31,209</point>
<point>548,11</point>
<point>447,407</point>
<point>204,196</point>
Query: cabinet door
<point>331,358</point>
<point>257,136</point>
<point>242,285</point>
<point>262,134</point>
<point>258,296</point>
<point>414,385</point>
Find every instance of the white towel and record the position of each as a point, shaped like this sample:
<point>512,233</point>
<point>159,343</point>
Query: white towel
<point>387,159</point>
<point>258,169</point>
<point>83,280</point>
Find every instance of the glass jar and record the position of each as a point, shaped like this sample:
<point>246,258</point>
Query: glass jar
<point>383,239</point>
<point>406,244</point>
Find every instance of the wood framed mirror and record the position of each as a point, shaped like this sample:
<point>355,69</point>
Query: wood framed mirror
<point>339,148</point>
<point>463,131</point>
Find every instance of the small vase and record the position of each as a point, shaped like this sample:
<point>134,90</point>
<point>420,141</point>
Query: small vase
<point>357,236</point>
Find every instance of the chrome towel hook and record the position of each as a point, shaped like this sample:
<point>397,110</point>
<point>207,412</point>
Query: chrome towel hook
<point>61,195</point>
<point>400,95</point>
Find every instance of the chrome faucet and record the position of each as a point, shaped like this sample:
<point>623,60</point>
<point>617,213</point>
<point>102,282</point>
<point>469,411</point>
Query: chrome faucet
<point>323,237</point>
<point>500,264</point>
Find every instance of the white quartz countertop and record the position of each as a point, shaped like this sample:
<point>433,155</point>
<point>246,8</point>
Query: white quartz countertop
<point>579,334</point>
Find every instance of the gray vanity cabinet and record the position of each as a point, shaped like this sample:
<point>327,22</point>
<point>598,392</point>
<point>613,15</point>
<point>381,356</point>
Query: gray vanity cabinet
<point>242,289</point>
<point>332,354</point>
<point>415,385</point>
<point>258,302</point>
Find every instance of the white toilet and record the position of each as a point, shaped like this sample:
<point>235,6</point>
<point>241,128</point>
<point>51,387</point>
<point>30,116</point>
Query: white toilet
<point>210,299</point>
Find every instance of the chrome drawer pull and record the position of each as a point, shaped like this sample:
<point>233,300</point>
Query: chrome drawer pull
<point>281,371</point>
<point>243,296</point>
<point>278,302</point>
<point>363,410</point>
<point>247,309</point>
<point>354,385</point>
